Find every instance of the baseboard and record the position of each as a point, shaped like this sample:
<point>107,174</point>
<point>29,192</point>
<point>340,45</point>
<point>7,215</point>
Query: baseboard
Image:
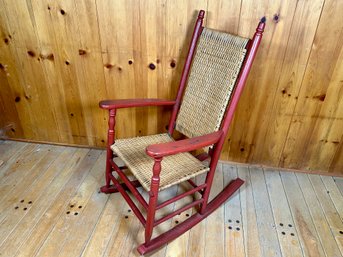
<point>266,167</point>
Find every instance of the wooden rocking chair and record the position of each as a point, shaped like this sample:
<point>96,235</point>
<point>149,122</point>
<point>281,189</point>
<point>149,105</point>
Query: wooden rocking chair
<point>215,72</point>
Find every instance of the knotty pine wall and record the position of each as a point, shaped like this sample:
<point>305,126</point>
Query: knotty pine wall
<point>58,58</point>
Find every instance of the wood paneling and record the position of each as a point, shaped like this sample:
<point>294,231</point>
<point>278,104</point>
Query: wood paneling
<point>59,58</point>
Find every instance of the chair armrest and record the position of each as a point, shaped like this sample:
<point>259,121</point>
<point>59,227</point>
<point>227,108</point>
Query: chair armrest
<point>186,145</point>
<point>126,103</point>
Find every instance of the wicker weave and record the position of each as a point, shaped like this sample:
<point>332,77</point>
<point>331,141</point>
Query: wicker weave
<point>175,168</point>
<point>217,61</point>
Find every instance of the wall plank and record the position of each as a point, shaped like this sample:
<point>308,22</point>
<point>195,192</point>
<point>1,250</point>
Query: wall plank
<point>316,105</point>
<point>9,119</point>
<point>60,58</point>
<point>289,83</point>
<point>256,105</point>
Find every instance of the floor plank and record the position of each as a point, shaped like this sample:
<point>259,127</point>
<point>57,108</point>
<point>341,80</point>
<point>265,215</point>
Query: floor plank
<point>66,216</point>
<point>32,179</point>
<point>8,149</point>
<point>10,157</point>
<point>89,207</point>
<point>19,186</point>
<point>234,232</point>
<point>107,224</point>
<point>214,242</point>
<point>16,161</point>
<point>339,183</point>
<point>249,219</point>
<point>319,217</point>
<point>306,230</point>
<point>329,211</point>
<point>58,237</point>
<point>334,193</point>
<point>60,202</point>
<point>284,223</point>
<point>265,221</point>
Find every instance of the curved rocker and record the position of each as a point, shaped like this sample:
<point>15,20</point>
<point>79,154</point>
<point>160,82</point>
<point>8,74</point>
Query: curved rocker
<point>211,83</point>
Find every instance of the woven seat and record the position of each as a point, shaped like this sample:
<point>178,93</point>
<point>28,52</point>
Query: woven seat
<point>175,169</point>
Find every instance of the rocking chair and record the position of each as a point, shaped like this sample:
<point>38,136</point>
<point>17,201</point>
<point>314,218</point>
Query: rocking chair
<point>215,72</point>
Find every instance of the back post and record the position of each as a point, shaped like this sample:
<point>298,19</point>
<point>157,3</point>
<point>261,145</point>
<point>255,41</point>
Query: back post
<point>243,75</point>
<point>196,33</point>
<point>246,66</point>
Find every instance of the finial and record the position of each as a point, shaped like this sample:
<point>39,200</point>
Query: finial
<point>201,14</point>
<point>261,25</point>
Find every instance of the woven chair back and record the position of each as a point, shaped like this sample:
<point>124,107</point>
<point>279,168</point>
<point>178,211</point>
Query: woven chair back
<point>214,71</point>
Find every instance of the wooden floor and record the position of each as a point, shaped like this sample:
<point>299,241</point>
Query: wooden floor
<point>50,206</point>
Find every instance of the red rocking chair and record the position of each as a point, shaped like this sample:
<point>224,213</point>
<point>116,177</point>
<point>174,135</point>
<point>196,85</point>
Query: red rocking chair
<point>215,72</point>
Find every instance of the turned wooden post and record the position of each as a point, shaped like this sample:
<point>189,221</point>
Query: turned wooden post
<point>110,141</point>
<point>153,195</point>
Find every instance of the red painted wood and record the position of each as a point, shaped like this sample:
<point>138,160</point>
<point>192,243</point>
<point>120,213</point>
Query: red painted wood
<point>192,221</point>
<point>153,196</point>
<point>174,213</point>
<point>185,145</point>
<point>186,68</point>
<point>202,157</point>
<point>129,185</point>
<point>113,189</point>
<point>110,141</point>
<point>127,103</point>
<point>127,198</point>
<point>180,196</point>
<point>192,183</point>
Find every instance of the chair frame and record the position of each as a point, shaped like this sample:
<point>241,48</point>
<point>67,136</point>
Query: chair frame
<point>158,151</point>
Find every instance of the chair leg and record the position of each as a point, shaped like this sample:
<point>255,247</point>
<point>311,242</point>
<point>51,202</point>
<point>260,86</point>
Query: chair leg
<point>153,196</point>
<point>108,168</point>
<point>151,215</point>
<point>206,194</point>
<point>110,141</point>
<point>108,188</point>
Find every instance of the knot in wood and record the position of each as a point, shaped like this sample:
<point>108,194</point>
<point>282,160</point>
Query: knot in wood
<point>31,53</point>
<point>173,64</point>
<point>276,18</point>
<point>82,52</point>
<point>109,66</point>
<point>152,66</point>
